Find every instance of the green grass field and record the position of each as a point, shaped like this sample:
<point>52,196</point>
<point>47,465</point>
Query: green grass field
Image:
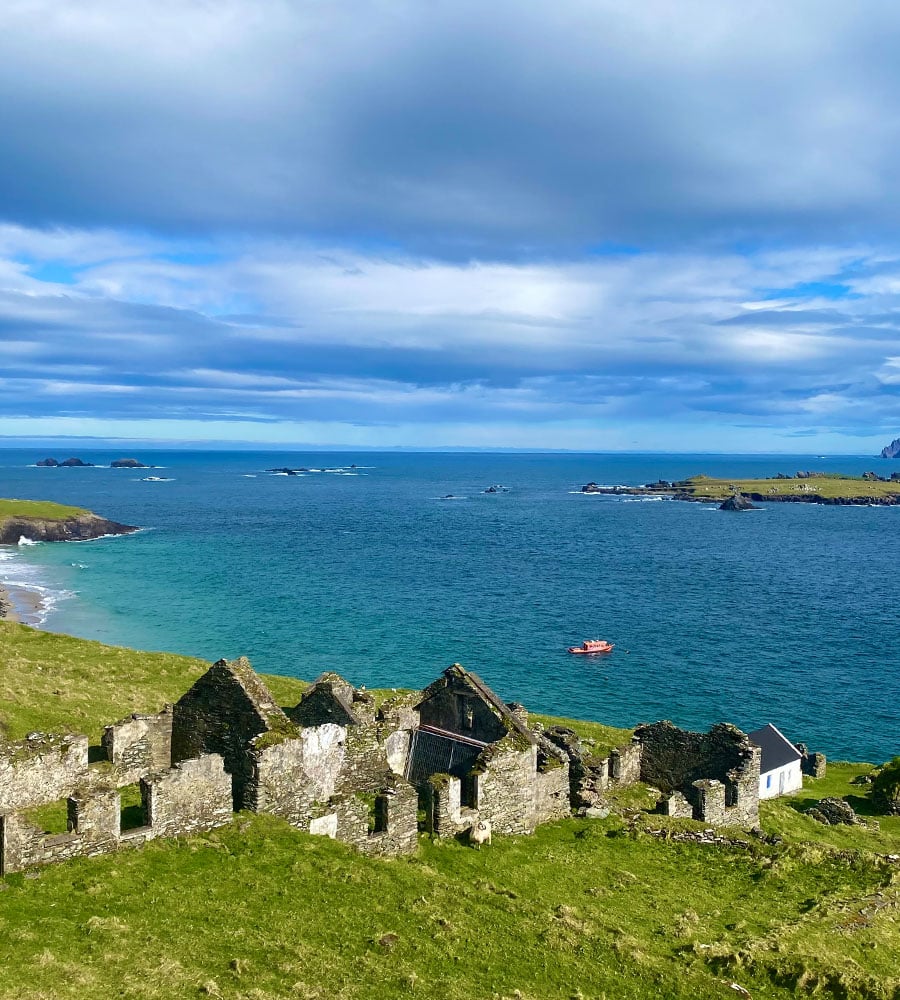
<point>848,487</point>
<point>42,509</point>
<point>582,909</point>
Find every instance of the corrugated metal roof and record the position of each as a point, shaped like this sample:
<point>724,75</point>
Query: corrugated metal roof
<point>777,749</point>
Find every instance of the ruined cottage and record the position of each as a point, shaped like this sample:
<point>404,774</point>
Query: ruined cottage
<point>343,765</point>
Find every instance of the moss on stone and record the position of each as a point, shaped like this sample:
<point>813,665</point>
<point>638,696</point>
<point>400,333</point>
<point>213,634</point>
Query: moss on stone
<point>280,731</point>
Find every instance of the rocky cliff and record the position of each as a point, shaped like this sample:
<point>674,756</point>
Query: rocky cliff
<point>72,529</point>
<point>892,450</point>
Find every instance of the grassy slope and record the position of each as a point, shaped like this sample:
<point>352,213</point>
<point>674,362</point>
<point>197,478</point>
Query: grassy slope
<point>42,509</point>
<point>259,910</point>
<point>827,486</point>
<point>60,684</point>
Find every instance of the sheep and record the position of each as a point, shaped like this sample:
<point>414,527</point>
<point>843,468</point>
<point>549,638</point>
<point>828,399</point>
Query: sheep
<point>480,833</point>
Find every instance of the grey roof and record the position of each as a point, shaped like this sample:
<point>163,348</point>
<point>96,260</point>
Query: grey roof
<point>777,749</point>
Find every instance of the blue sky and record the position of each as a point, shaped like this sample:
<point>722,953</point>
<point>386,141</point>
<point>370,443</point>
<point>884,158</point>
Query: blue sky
<point>586,224</point>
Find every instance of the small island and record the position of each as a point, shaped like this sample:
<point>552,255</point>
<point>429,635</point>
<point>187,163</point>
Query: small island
<point>802,487</point>
<point>78,463</point>
<point>68,463</point>
<point>42,521</point>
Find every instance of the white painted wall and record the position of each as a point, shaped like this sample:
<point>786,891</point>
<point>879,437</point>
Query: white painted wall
<point>770,781</point>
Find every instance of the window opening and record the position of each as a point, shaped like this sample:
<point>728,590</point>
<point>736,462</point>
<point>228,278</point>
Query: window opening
<point>468,791</point>
<point>379,821</point>
<point>132,808</point>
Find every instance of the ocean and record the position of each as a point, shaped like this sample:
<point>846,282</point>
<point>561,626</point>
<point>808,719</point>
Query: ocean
<point>785,615</point>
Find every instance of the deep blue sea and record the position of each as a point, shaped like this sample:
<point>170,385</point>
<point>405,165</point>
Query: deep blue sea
<point>786,615</point>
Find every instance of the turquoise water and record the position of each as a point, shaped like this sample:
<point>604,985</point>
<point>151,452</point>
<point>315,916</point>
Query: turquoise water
<point>785,615</point>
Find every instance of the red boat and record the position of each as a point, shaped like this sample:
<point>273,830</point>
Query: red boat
<point>593,646</point>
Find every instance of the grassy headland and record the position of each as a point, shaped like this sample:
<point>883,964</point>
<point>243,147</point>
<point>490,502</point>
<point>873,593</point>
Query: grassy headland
<point>42,510</point>
<point>43,521</point>
<point>831,486</point>
<point>585,908</point>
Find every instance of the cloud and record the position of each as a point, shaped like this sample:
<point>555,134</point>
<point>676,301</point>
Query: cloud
<point>499,130</point>
<point>457,223</point>
<point>707,341</point>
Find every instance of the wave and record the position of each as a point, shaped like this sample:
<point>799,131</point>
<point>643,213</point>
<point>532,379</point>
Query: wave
<point>20,580</point>
<point>88,541</point>
<point>23,541</point>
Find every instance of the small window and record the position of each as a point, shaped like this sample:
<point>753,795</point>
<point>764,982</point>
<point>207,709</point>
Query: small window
<point>466,714</point>
<point>379,820</point>
<point>768,781</point>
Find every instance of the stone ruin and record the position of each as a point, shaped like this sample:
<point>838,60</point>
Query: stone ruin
<point>712,777</point>
<point>342,765</point>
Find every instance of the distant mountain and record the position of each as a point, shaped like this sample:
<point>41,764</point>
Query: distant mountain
<point>892,450</point>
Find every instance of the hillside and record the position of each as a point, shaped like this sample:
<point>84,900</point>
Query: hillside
<point>585,908</point>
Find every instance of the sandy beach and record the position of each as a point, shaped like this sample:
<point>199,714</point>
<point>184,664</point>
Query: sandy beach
<point>20,605</point>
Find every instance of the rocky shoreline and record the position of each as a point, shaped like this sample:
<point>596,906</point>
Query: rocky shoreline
<point>80,528</point>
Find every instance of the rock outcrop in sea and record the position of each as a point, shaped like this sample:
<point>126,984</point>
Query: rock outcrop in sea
<point>892,450</point>
<point>738,502</point>
<point>69,463</point>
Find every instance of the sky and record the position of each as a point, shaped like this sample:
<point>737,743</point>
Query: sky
<point>661,226</point>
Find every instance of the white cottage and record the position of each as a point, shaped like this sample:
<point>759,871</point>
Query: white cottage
<point>779,769</point>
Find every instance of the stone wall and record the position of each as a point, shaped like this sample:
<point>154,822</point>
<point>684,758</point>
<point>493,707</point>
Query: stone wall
<point>220,714</point>
<point>193,795</point>
<point>376,741</point>
<point>551,795</point>
<point>709,802</point>
<point>718,771</point>
<point>506,787</point>
<point>329,699</point>
<point>813,764</point>
<point>676,805</point>
<point>624,766</point>
<point>93,830</point>
<point>455,704</point>
<point>139,744</point>
<point>40,769</point>
<point>444,814</point>
<point>290,776</point>
<point>399,711</point>
<point>365,763</point>
<point>395,819</point>
<point>591,775</point>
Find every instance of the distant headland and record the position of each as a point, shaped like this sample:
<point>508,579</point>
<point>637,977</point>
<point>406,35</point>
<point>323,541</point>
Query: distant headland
<point>802,487</point>
<point>41,521</point>
<point>892,450</point>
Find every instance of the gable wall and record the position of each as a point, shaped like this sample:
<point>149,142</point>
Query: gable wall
<point>442,711</point>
